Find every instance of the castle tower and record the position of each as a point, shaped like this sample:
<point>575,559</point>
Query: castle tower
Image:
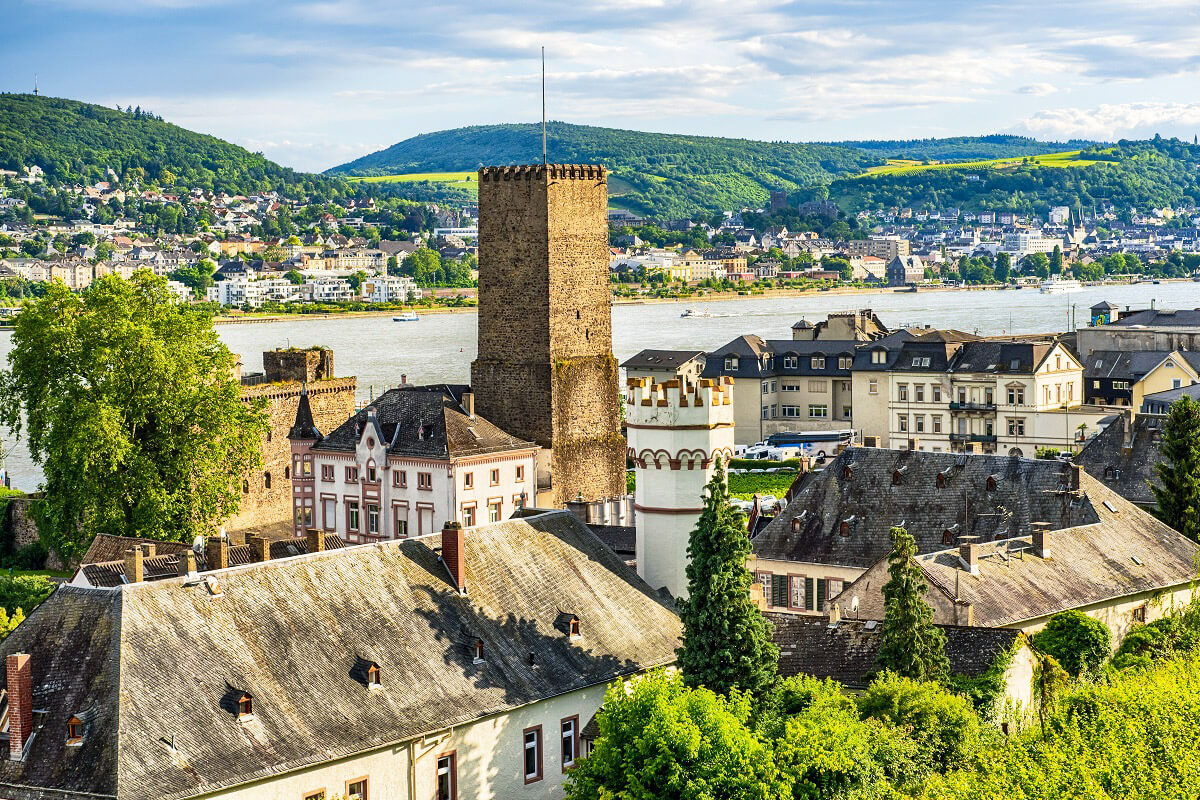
<point>675,432</point>
<point>545,371</point>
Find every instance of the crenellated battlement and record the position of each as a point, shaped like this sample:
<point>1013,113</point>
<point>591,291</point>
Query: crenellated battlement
<point>557,172</point>
<point>673,404</point>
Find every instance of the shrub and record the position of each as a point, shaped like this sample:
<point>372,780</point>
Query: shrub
<point>25,592</point>
<point>1078,642</point>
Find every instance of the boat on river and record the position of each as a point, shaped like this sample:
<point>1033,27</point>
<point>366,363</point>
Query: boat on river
<point>406,316</point>
<point>1059,285</point>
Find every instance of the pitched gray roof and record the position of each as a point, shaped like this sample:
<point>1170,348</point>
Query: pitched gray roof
<point>1126,465</point>
<point>936,492</point>
<point>423,422</point>
<point>846,653</point>
<point>1160,317</point>
<point>1125,551</point>
<point>662,359</point>
<point>106,547</point>
<point>168,659</point>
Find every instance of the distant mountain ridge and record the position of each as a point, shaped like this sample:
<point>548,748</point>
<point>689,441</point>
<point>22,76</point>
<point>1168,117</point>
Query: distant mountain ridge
<point>674,175</point>
<point>81,142</point>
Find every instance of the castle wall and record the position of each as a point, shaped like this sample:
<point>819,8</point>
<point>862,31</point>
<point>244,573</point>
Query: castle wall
<point>545,370</point>
<point>269,509</point>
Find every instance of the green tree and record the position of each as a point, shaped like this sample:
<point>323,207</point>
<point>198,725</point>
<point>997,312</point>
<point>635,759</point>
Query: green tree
<point>911,645</point>
<point>1003,267</point>
<point>661,740</point>
<point>273,253</point>
<point>726,641</point>
<point>1050,680</point>
<point>1076,641</point>
<point>1056,261</point>
<point>294,277</point>
<point>1038,265</point>
<point>1178,470</point>
<point>128,402</point>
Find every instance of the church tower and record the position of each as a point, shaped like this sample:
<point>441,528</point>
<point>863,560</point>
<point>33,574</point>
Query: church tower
<point>676,432</point>
<point>545,370</point>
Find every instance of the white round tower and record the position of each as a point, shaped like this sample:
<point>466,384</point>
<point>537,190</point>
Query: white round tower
<point>675,432</point>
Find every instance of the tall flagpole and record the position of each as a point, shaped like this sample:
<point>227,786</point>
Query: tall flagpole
<point>544,105</point>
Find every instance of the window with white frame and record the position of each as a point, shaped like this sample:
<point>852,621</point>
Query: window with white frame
<point>902,392</point>
<point>818,362</point>
<point>818,411</point>
<point>1016,426</point>
<point>533,754</point>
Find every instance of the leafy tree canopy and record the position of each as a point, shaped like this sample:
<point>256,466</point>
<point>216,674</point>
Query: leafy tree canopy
<point>1178,471</point>
<point>1078,642</point>
<point>912,646</point>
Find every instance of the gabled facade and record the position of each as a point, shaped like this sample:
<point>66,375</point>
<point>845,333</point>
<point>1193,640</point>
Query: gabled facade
<point>412,460</point>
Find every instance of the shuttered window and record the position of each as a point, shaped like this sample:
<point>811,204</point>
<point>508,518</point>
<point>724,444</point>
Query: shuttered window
<point>820,594</point>
<point>809,599</point>
<point>779,591</point>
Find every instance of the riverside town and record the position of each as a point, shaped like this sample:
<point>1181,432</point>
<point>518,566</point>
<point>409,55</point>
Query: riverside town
<point>842,443</point>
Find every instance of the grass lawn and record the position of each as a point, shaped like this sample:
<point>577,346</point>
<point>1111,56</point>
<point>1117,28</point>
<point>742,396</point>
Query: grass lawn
<point>747,484</point>
<point>436,177</point>
<point>1067,158</point>
<point>45,573</point>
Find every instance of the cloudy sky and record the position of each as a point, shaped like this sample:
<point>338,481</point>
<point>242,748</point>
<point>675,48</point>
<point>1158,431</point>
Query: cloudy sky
<point>313,84</point>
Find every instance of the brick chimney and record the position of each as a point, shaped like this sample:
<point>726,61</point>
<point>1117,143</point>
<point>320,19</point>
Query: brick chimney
<point>968,554</point>
<point>1041,539</point>
<point>578,508</point>
<point>187,563</point>
<point>19,674</point>
<point>1073,479</point>
<point>217,551</point>
<point>454,554</point>
<point>260,548</point>
<point>149,549</point>
<point>135,571</point>
<point>315,541</point>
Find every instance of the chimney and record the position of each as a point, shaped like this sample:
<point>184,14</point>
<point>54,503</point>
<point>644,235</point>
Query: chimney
<point>835,614</point>
<point>260,549</point>
<point>914,444</point>
<point>468,403</point>
<point>968,555</point>
<point>1073,471</point>
<point>315,541</point>
<point>149,549</point>
<point>1040,532</point>
<point>216,549</point>
<point>19,673</point>
<point>187,563</point>
<point>454,555</point>
<point>578,508</point>
<point>134,569</point>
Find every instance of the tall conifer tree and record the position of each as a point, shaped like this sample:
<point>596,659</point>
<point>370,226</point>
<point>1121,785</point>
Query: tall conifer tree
<point>911,644</point>
<point>1178,472</point>
<point>726,640</point>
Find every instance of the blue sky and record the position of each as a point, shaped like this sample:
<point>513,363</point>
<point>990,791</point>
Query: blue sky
<point>313,84</point>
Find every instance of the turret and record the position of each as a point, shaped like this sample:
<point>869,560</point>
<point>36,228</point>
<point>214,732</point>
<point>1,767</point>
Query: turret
<point>302,436</point>
<point>675,433</point>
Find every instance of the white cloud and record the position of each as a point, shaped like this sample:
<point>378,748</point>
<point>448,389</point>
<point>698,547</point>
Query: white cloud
<point>1112,121</point>
<point>1038,89</point>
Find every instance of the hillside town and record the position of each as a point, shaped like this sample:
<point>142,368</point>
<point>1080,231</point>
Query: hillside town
<point>427,594</point>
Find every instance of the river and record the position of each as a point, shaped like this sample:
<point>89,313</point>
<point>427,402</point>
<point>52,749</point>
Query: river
<point>440,347</point>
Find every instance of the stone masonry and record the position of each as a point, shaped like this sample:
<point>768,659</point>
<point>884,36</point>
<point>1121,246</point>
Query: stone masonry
<point>267,493</point>
<point>545,370</point>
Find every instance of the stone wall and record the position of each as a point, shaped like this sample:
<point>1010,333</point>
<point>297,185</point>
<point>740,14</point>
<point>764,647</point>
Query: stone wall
<point>545,370</point>
<point>24,529</point>
<point>300,365</point>
<point>268,508</point>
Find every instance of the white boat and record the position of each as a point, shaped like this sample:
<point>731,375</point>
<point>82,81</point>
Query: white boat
<point>691,312</point>
<point>406,316</point>
<point>1058,285</point>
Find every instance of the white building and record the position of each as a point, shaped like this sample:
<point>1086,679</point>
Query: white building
<point>389,289</point>
<point>676,432</point>
<point>1023,243</point>
<point>326,290</point>
<point>253,293</point>
<point>414,458</point>
<point>471,232</point>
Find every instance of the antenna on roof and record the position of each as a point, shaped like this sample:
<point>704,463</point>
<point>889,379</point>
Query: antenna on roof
<point>544,105</point>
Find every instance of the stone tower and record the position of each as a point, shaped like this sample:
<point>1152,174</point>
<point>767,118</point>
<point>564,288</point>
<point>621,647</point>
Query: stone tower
<point>675,433</point>
<point>545,370</point>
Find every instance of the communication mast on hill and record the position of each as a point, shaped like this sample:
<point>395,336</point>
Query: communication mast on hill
<point>35,89</point>
<point>543,104</point>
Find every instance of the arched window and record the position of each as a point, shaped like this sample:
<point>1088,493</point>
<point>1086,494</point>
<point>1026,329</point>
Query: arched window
<point>287,473</point>
<point>245,487</point>
<point>266,480</point>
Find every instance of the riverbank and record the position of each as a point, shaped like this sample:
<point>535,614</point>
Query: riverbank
<point>298,315</point>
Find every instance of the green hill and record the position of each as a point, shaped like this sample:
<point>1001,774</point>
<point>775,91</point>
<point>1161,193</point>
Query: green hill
<point>666,175</point>
<point>963,148</point>
<point>1138,174</point>
<point>75,141</point>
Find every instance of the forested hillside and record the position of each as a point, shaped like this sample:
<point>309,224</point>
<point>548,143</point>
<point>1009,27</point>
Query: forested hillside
<point>75,141</point>
<point>667,175</point>
<point>962,148</point>
<point>1138,174</point>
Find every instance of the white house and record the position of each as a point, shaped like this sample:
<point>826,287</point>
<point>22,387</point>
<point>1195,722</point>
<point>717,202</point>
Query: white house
<point>389,289</point>
<point>416,457</point>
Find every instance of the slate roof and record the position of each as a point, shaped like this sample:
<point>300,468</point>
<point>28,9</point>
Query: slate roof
<point>423,422</point>
<point>304,427</point>
<point>751,349</point>
<point>167,659</point>
<point>900,347</point>
<point>1125,465</point>
<point>1130,365</point>
<point>1159,317</point>
<point>1005,357</point>
<point>112,573</point>
<point>1026,490</point>
<point>662,359</point>
<point>1159,402</point>
<point>1124,552</point>
<point>106,547</point>
<point>846,653</point>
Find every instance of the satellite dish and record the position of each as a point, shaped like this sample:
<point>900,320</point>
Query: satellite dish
<point>854,604</point>
<point>198,544</point>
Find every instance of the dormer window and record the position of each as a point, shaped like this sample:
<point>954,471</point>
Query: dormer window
<point>847,473</point>
<point>941,480</point>
<point>477,648</point>
<point>245,705</point>
<point>374,676</point>
<point>992,483</point>
<point>573,627</point>
<point>74,732</point>
<point>795,526</point>
<point>898,476</point>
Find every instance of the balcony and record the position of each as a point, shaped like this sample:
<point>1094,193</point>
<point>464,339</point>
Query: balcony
<point>956,406</point>
<point>983,438</point>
